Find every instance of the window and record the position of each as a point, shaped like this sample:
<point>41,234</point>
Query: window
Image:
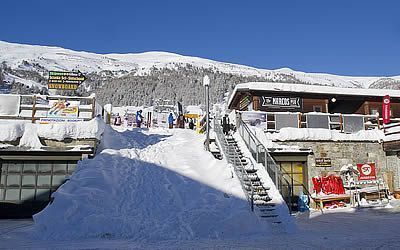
<point>317,108</point>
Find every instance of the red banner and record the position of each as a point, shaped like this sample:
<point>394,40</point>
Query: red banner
<point>386,109</point>
<point>367,171</point>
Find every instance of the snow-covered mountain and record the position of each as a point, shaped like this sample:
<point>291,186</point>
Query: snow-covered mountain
<point>29,65</point>
<point>34,57</point>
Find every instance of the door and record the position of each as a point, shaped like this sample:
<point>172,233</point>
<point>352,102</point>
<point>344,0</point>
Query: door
<point>296,175</point>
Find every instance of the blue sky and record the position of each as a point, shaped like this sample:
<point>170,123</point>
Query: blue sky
<point>359,37</point>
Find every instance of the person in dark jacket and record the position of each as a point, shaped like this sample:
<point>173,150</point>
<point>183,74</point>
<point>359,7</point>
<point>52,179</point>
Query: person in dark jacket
<point>117,120</point>
<point>171,120</point>
<point>191,124</point>
<point>225,124</point>
<point>139,118</point>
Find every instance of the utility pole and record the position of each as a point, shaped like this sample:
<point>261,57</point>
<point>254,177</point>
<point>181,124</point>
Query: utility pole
<point>206,84</point>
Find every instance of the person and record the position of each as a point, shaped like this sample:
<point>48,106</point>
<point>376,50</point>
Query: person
<point>225,124</point>
<point>180,122</point>
<point>117,120</point>
<point>126,120</point>
<point>170,120</point>
<point>191,123</point>
<point>139,118</point>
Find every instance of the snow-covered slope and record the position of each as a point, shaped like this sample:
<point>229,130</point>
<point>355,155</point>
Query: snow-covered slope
<point>43,58</point>
<point>151,185</point>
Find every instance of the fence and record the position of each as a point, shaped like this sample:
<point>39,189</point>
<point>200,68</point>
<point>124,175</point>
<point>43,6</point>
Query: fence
<point>347,123</point>
<point>35,107</point>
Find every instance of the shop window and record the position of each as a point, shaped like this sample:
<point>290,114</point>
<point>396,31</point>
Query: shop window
<point>317,108</point>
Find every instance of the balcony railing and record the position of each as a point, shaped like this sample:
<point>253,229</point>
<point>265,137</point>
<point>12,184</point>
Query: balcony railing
<point>346,123</point>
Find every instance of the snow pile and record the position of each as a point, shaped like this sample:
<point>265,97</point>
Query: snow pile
<point>166,187</point>
<point>11,130</point>
<point>392,132</point>
<point>29,133</point>
<point>30,137</point>
<point>92,129</point>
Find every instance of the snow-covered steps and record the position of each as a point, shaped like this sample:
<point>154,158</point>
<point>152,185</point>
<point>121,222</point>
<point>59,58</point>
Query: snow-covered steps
<point>252,183</point>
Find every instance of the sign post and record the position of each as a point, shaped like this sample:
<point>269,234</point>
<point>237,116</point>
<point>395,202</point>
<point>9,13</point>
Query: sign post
<point>65,80</point>
<point>386,109</point>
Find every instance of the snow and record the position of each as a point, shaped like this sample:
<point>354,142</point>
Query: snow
<point>11,130</point>
<point>54,58</point>
<point>316,134</point>
<point>158,189</point>
<point>157,184</point>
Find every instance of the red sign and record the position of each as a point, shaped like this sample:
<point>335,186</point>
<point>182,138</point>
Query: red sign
<point>386,109</point>
<point>367,171</point>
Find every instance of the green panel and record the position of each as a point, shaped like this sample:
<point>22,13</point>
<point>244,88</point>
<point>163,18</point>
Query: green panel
<point>29,167</point>
<point>12,195</point>
<point>4,168</point>
<point>42,194</point>
<point>13,180</point>
<point>43,180</point>
<point>14,167</point>
<point>27,194</point>
<point>44,167</point>
<point>2,192</point>
<point>60,167</point>
<point>29,180</point>
<point>58,180</point>
<point>71,167</point>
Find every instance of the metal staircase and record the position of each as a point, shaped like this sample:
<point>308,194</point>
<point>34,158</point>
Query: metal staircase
<point>255,190</point>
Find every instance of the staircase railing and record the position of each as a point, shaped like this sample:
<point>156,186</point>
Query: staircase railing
<point>261,154</point>
<point>233,157</point>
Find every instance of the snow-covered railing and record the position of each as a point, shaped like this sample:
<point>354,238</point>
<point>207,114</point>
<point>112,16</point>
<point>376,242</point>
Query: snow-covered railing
<point>346,123</point>
<point>232,156</point>
<point>35,107</point>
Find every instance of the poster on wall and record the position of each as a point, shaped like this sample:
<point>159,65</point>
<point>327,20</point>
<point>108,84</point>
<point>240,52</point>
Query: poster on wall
<point>367,171</point>
<point>254,118</point>
<point>63,109</point>
<point>281,103</point>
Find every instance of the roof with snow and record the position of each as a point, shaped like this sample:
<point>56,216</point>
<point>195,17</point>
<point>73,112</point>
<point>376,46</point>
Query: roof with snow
<point>274,87</point>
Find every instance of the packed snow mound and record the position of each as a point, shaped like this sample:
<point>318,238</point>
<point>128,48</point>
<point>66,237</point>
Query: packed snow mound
<point>11,130</point>
<point>164,187</point>
<point>92,129</point>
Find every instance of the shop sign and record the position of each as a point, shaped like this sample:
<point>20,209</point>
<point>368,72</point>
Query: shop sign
<point>367,171</point>
<point>244,102</point>
<point>59,120</point>
<point>323,162</point>
<point>281,102</point>
<point>386,109</point>
<point>65,80</point>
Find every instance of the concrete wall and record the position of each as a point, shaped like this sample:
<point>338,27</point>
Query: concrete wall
<point>342,153</point>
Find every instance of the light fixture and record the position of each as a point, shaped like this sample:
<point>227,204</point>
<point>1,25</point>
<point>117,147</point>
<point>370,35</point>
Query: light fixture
<point>333,99</point>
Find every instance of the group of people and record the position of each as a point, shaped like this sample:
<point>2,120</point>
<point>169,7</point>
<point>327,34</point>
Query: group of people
<point>139,119</point>
<point>180,121</point>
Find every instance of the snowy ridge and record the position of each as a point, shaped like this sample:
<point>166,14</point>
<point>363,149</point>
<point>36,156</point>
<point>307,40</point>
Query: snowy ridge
<point>44,58</point>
